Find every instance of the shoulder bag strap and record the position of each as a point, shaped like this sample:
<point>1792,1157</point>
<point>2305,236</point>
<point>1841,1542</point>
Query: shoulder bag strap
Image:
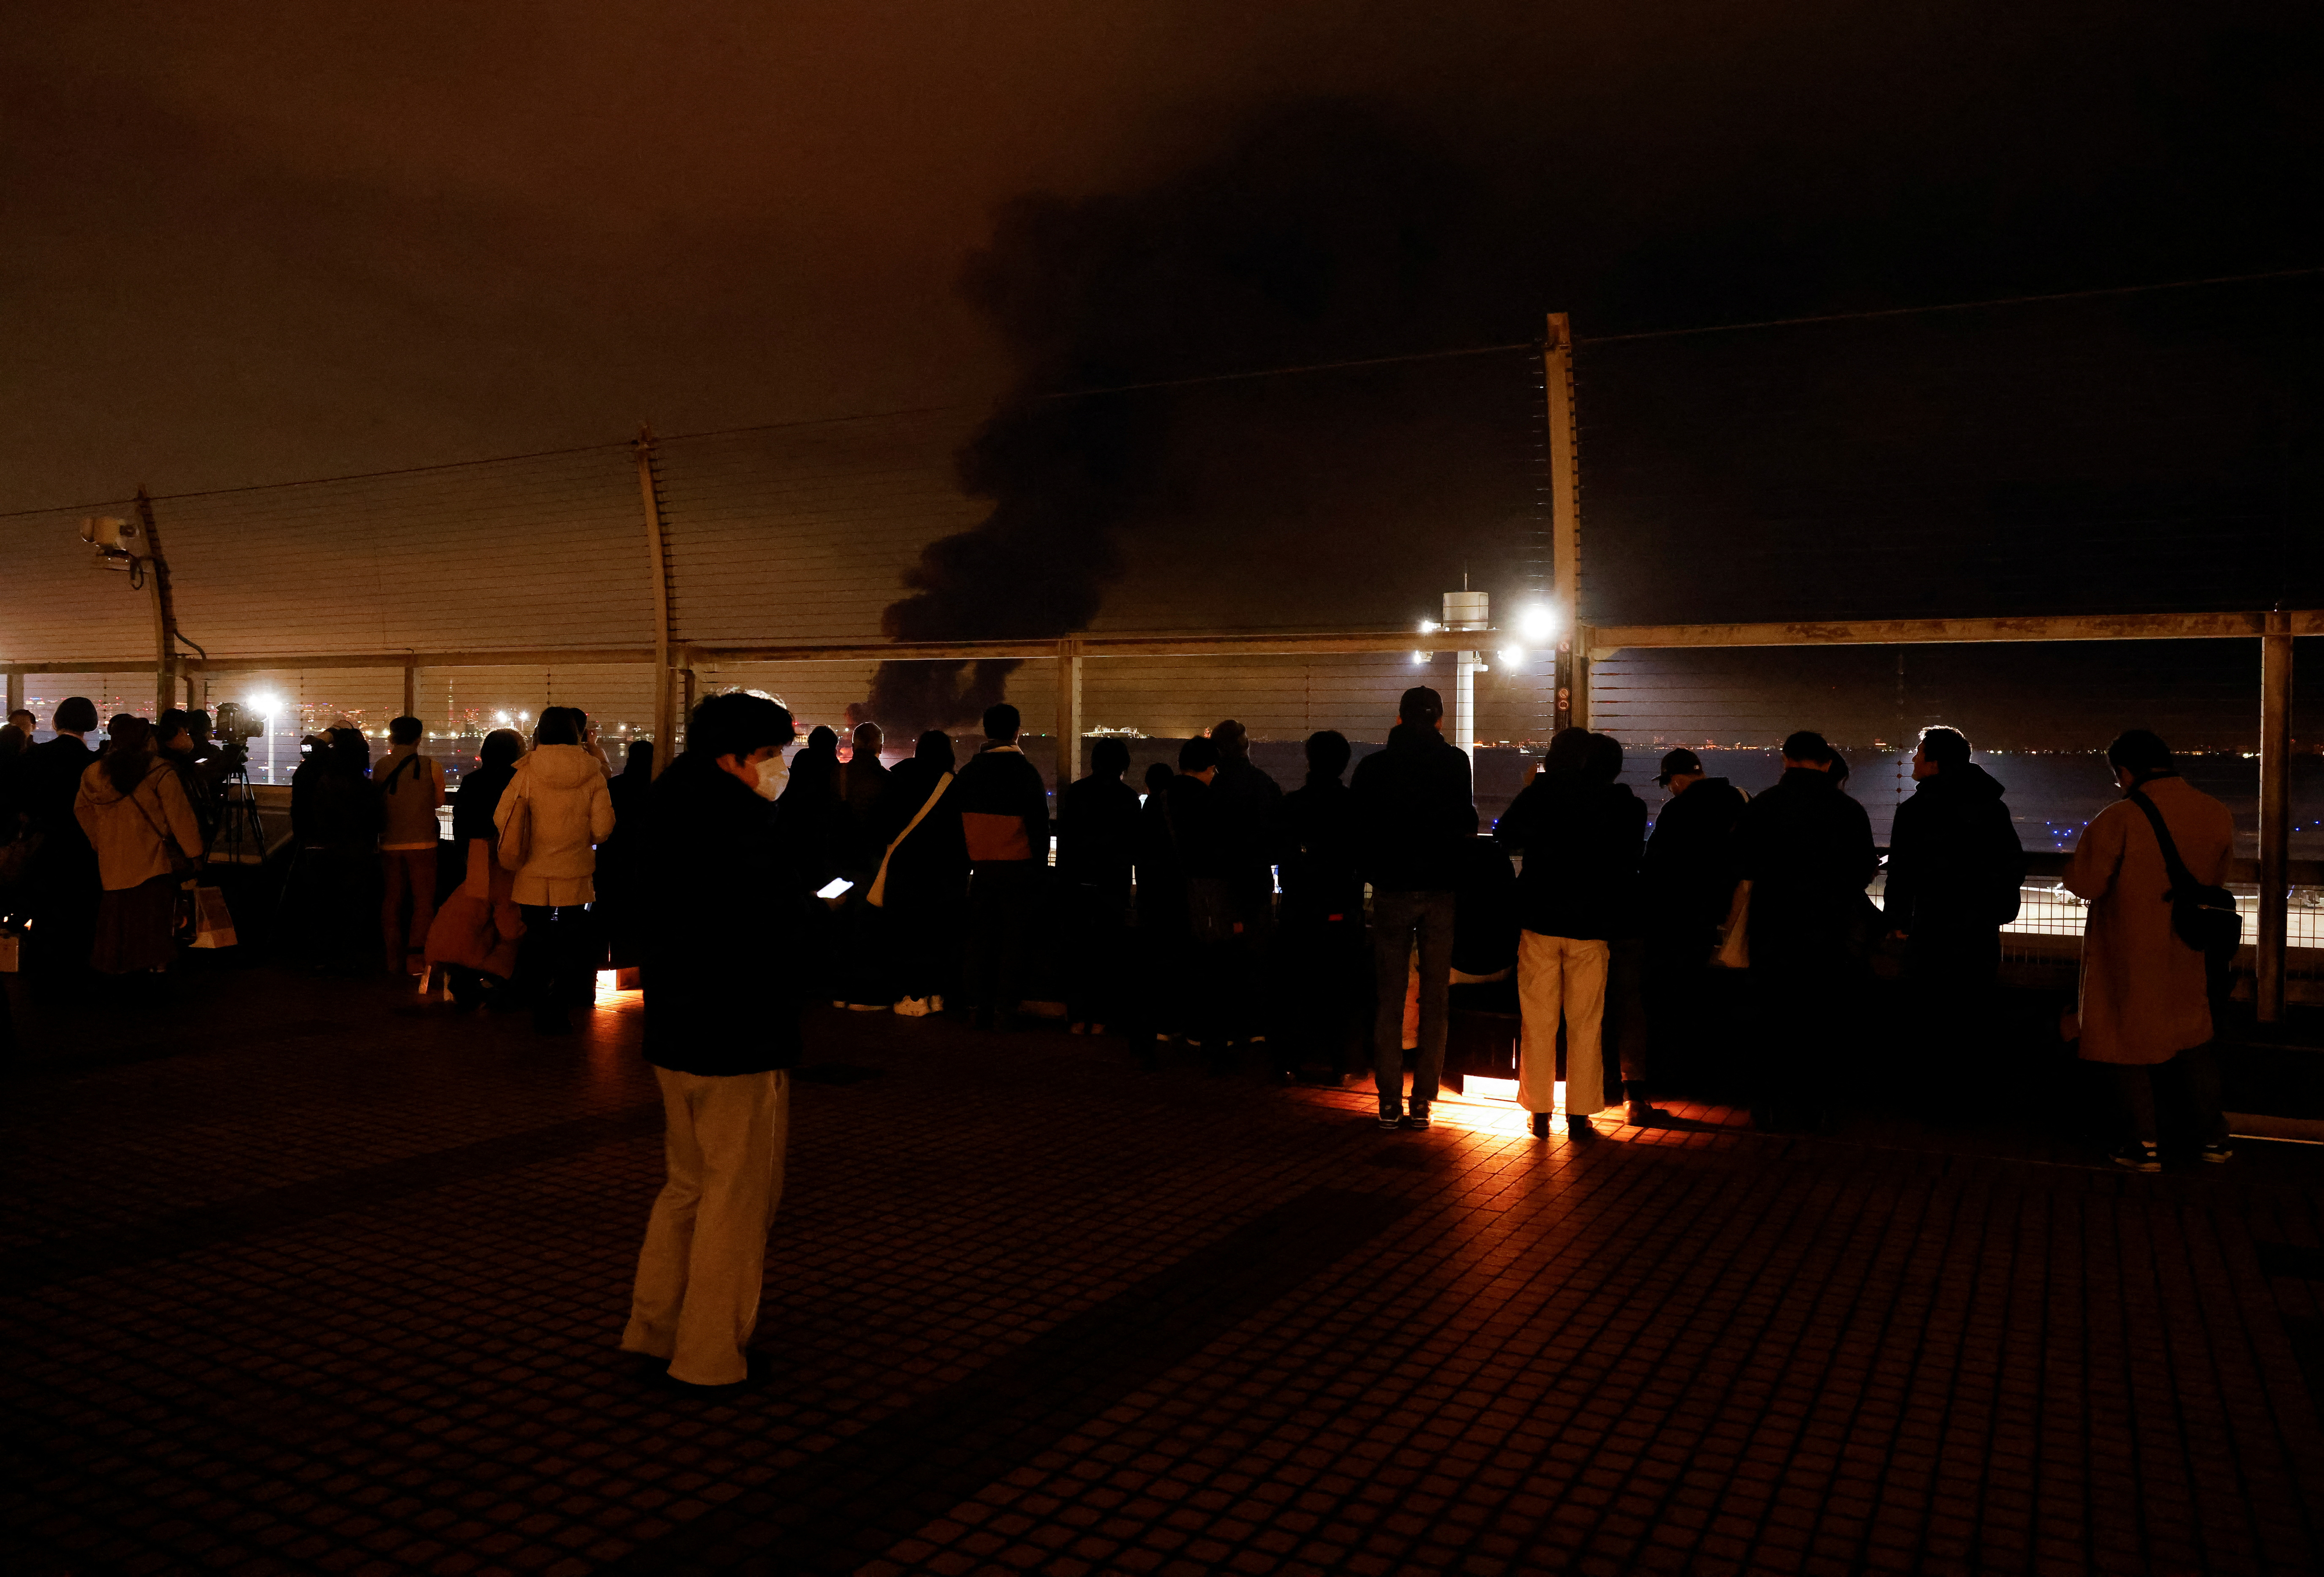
<point>878,896</point>
<point>2181,879</point>
<point>169,851</point>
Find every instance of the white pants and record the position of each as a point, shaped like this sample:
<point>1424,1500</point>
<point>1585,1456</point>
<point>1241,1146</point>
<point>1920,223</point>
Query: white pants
<point>705,1252</point>
<point>1562,976</point>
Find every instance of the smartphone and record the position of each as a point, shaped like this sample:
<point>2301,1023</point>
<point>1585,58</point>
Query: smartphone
<point>834,888</point>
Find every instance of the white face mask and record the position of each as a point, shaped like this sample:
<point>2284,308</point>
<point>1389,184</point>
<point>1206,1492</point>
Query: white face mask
<point>773,774</point>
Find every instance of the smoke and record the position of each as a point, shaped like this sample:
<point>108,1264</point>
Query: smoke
<point>1313,234</point>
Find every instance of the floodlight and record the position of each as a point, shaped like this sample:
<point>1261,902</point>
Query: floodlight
<point>1537,624</point>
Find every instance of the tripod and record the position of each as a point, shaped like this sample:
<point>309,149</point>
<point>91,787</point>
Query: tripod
<point>241,837</point>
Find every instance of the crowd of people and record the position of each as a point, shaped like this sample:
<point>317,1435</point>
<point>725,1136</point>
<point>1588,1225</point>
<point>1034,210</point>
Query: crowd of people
<point>1331,928</point>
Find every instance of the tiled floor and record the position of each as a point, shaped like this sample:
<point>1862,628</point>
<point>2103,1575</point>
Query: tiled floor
<point>308,1278</point>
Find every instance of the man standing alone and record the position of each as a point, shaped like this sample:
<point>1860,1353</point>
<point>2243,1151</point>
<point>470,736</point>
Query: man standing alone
<point>63,877</point>
<point>1414,810</point>
<point>725,898</point>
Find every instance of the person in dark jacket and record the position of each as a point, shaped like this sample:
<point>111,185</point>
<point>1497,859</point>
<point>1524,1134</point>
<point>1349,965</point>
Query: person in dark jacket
<point>1687,884</point>
<point>335,820</point>
<point>62,891</point>
<point>1162,939</point>
<point>857,784</point>
<point>1580,833</point>
<point>620,878</point>
<point>1322,939</point>
<point>727,889</point>
<point>1806,849</point>
<point>1955,866</point>
<point>1097,850</point>
<point>818,825</point>
<point>1201,835</point>
<point>1414,813</point>
<point>921,882</point>
<point>1004,817</point>
<point>1248,799</point>
<point>474,803</point>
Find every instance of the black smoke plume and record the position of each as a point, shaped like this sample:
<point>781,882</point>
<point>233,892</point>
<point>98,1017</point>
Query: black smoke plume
<point>1312,235</point>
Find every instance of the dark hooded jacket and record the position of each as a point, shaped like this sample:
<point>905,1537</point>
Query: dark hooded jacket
<point>1687,878</point>
<point>1580,837</point>
<point>726,887</point>
<point>1954,859</point>
<point>1415,812</point>
<point>1806,849</point>
<point>930,869</point>
<point>1317,851</point>
<point>1097,833</point>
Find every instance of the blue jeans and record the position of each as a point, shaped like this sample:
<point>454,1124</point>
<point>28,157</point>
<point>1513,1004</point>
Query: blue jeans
<point>1398,920</point>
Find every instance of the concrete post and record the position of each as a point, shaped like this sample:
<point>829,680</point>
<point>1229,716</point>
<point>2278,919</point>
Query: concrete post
<point>2274,814</point>
<point>410,691</point>
<point>15,690</point>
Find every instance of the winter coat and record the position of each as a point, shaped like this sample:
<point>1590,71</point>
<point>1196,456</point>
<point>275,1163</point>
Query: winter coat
<point>1806,849</point>
<point>856,786</point>
<point>1316,851</point>
<point>563,786</point>
<point>1004,810</point>
<point>48,789</point>
<point>1248,799</point>
<point>727,892</point>
<point>1485,911</point>
<point>476,800</point>
<point>1687,878</point>
<point>1581,841</point>
<point>930,869</point>
<point>332,809</point>
<point>1161,883</point>
<point>1415,813</point>
<point>133,832</point>
<point>410,787</point>
<point>1954,861</point>
<point>2144,996</point>
<point>1097,833</point>
<point>1199,829</point>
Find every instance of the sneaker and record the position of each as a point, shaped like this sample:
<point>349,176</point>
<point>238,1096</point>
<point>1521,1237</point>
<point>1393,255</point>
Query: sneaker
<point>935,1003</point>
<point>2219,1153</point>
<point>912,1008</point>
<point>1418,1118</point>
<point>867,1007</point>
<point>2138,1155</point>
<point>1581,1128</point>
<point>1390,1118</point>
<point>1540,1125</point>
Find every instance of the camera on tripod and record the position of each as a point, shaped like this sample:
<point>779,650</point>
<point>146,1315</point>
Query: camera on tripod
<point>232,734</point>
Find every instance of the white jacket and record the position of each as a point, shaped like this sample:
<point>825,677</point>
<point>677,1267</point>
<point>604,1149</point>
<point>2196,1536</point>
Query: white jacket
<point>565,787</point>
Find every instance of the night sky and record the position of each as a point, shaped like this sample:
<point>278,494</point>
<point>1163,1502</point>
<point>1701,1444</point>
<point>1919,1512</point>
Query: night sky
<point>245,243</point>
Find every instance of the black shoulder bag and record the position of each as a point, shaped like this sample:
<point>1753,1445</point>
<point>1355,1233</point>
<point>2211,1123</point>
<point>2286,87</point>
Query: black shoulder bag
<point>2204,918</point>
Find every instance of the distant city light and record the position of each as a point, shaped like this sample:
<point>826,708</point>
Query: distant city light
<point>1427,626</point>
<point>500,718</point>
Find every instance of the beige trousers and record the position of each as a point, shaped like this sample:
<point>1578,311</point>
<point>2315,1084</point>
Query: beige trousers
<point>706,1253</point>
<point>1561,977</point>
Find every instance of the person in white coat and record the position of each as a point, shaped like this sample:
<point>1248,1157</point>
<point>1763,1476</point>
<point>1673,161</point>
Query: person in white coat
<point>560,810</point>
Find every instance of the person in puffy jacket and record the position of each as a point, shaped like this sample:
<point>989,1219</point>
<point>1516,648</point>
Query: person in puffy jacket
<point>559,791</point>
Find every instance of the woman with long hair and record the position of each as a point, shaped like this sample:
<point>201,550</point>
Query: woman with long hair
<point>559,793</point>
<point>139,820</point>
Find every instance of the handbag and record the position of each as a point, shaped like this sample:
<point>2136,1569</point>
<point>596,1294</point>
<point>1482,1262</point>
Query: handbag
<point>1734,950</point>
<point>2204,918</point>
<point>877,897</point>
<point>516,837</point>
<point>213,921</point>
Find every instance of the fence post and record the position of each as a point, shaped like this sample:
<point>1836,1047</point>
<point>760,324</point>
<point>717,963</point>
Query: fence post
<point>657,552</point>
<point>1571,708</point>
<point>1069,713</point>
<point>15,690</point>
<point>410,689</point>
<point>2274,813</point>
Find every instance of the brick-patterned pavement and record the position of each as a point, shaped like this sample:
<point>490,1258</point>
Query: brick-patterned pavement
<point>312,1277</point>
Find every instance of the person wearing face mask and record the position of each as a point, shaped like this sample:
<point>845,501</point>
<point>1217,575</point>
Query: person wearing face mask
<point>727,896</point>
